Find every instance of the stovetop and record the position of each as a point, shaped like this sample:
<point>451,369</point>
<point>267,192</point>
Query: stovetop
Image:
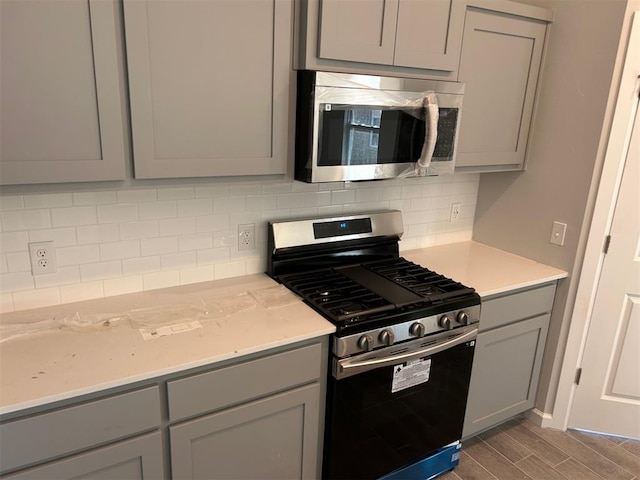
<point>379,291</point>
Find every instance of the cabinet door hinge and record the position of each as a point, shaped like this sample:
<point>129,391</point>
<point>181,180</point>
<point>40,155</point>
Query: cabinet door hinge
<point>607,242</point>
<point>578,375</point>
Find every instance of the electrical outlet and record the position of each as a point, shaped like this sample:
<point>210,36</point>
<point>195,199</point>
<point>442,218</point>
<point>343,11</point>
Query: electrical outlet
<point>246,237</point>
<point>43,258</point>
<point>455,212</point>
<point>558,232</point>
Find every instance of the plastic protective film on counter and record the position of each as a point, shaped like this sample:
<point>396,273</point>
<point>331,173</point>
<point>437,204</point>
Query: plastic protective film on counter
<point>362,98</point>
<point>153,321</point>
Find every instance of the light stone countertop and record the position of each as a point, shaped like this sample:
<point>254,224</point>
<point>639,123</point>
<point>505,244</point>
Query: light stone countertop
<point>90,346</point>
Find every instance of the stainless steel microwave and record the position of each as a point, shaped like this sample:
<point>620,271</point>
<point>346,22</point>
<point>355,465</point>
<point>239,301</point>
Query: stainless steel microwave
<point>363,127</point>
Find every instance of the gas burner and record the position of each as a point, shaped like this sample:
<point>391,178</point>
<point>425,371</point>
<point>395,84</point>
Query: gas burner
<point>351,308</point>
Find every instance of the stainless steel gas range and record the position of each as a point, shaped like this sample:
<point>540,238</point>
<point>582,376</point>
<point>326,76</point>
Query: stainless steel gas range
<point>402,353</point>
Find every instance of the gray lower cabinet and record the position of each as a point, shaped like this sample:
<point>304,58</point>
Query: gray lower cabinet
<point>210,83</point>
<point>62,111</point>
<point>499,65</point>
<point>136,459</point>
<point>112,437</point>
<point>256,419</point>
<point>271,438</point>
<point>508,357</point>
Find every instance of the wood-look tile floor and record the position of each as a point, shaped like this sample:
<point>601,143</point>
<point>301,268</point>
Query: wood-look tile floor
<point>520,450</point>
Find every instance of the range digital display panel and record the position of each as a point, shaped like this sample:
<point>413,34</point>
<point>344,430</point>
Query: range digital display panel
<point>342,227</point>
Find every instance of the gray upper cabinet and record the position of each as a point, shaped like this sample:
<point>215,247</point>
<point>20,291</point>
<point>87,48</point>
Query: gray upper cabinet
<point>413,37</point>
<point>62,113</point>
<point>499,64</point>
<point>210,85</point>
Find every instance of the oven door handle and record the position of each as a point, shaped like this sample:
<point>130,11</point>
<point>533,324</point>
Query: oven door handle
<point>351,366</point>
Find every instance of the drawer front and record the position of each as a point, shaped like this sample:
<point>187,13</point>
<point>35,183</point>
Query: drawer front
<point>60,432</point>
<point>243,382</point>
<point>517,306</point>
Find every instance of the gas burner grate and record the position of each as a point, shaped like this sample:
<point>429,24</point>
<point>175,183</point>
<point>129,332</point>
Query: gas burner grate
<point>433,286</point>
<point>336,295</point>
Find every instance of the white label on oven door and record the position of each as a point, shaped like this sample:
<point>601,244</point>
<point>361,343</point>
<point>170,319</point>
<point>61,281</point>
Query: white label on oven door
<point>409,374</point>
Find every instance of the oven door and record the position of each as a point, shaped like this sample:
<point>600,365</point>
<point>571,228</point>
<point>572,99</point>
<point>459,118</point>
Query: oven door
<point>391,408</point>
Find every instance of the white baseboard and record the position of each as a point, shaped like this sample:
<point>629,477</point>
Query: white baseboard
<point>542,419</point>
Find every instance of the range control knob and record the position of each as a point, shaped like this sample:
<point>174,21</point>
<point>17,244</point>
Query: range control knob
<point>365,342</point>
<point>417,329</point>
<point>463,318</point>
<point>386,337</point>
<point>445,322</point>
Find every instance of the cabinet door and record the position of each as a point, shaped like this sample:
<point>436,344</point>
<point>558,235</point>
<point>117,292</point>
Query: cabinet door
<point>358,30</point>
<point>429,34</point>
<point>499,65</point>
<point>209,85</point>
<point>272,438</point>
<point>60,92</point>
<point>506,369</point>
<point>140,458</point>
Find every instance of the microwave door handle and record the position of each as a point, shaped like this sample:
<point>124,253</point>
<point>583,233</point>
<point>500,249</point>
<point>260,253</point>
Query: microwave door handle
<point>432,115</point>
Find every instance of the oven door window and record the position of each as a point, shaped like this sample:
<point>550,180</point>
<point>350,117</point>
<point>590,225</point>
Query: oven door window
<point>374,135</point>
<point>372,431</point>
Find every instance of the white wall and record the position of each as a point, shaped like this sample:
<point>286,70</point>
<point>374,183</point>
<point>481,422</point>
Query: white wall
<point>116,241</point>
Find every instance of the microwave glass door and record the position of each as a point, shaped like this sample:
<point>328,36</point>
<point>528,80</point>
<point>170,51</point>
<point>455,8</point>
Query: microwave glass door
<point>374,135</point>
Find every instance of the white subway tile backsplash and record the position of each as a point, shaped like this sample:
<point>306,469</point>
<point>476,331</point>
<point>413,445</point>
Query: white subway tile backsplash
<point>62,237</point>
<point>245,189</point>
<point>290,200</point>
<point>213,255</point>
<point>98,233</point>
<point>41,297</point>
<point>100,270</point>
<point>15,281</point>
<point>229,269</point>
<point>172,226</point>
<point>138,230</point>
<point>233,204</point>
<point>317,199</point>
<point>157,210</point>
<point>341,197</point>
<point>135,266</point>
<point>119,250</point>
<point>159,246</point>
<point>11,203</point>
<point>175,261</point>
<point>112,242</point>
<point>137,195</point>
<point>74,216</point>
<point>212,191</point>
<point>62,276</point>
<point>81,292</point>
<point>18,262</point>
<point>94,198</point>
<point>277,187</point>
<point>13,241</point>
<point>176,193</point>
<point>196,241</point>
<point>258,203</point>
<point>196,274</point>
<point>6,303</point>
<point>152,281</point>
<point>212,223</point>
<point>123,285</point>
<point>25,220</point>
<point>77,255</point>
<point>48,201</point>
<point>126,212</point>
<point>195,207</point>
